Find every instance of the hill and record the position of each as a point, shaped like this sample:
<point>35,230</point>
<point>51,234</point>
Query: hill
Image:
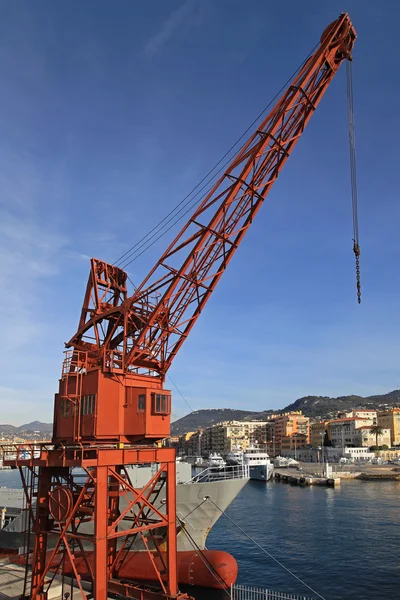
<point>325,407</point>
<point>317,407</point>
<point>6,429</point>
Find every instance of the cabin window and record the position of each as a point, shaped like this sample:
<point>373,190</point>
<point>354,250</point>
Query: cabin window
<point>161,404</point>
<point>88,404</point>
<point>65,407</point>
<point>141,403</point>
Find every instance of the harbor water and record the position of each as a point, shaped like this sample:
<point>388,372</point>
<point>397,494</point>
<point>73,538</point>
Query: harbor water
<point>343,542</point>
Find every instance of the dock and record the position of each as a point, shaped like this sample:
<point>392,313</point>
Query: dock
<point>295,477</point>
<point>12,583</point>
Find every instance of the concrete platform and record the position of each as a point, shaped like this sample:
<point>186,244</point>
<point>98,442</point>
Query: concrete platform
<point>300,478</point>
<point>12,583</point>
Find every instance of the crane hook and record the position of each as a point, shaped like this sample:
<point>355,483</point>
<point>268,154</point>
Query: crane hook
<point>357,252</point>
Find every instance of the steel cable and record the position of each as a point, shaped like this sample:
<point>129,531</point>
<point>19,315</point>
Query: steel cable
<point>205,560</point>
<point>353,173</point>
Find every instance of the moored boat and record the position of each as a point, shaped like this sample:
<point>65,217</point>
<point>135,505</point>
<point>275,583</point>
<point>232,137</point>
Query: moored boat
<point>235,457</point>
<point>260,467</point>
<point>216,461</point>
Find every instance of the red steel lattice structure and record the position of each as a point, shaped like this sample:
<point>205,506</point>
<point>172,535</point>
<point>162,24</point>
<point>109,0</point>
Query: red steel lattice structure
<point>112,407</point>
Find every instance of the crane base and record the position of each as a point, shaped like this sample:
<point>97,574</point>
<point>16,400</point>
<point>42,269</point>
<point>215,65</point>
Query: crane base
<point>78,511</point>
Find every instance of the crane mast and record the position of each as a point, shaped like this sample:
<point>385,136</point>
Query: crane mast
<point>112,408</point>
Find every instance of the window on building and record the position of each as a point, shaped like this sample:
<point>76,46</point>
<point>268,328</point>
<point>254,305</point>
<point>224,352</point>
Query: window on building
<point>142,403</point>
<point>161,404</point>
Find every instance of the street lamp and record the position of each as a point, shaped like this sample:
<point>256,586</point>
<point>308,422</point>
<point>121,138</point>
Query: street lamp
<point>322,452</point>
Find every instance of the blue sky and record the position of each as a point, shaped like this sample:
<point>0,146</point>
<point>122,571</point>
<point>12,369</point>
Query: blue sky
<point>111,112</point>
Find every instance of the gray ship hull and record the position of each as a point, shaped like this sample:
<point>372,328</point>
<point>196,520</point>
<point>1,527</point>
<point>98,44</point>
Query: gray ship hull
<point>195,516</point>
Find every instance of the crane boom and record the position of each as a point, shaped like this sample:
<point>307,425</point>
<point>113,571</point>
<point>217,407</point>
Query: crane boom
<point>147,329</point>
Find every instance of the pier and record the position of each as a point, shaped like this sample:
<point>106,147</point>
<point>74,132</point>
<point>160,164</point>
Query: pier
<point>296,477</point>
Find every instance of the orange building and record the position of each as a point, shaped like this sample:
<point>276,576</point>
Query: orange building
<point>290,424</point>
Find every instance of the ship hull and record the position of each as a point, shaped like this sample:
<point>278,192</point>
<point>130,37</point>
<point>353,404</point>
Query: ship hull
<point>211,569</point>
<point>260,472</point>
<point>195,516</point>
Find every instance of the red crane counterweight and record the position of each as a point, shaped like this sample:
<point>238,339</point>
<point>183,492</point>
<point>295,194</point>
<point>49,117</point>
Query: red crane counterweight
<point>112,407</point>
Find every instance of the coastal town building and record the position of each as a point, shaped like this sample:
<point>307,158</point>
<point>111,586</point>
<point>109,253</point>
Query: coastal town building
<point>343,432</point>
<point>226,436</point>
<point>357,454</point>
<point>291,433</point>
<point>289,424</point>
<point>364,437</point>
<point>361,413</point>
<point>330,455</point>
<point>391,419</point>
<point>390,455</point>
<point>318,432</point>
<point>295,442</point>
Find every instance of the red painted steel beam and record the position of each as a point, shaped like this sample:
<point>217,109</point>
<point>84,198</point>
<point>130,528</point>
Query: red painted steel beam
<point>86,456</point>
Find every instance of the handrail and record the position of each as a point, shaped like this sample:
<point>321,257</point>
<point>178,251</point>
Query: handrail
<point>215,474</point>
<point>245,592</point>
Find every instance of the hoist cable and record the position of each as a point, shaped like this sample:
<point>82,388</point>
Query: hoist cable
<point>180,393</point>
<point>353,174</point>
<point>132,254</point>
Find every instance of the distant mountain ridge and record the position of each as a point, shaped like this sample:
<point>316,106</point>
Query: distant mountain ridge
<point>324,406</point>
<point>318,407</point>
<point>7,429</point>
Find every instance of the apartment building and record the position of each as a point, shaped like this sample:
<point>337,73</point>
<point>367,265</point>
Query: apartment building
<point>318,431</point>
<point>390,419</point>
<point>288,424</point>
<point>295,442</point>
<point>364,437</point>
<point>362,414</point>
<point>343,432</point>
<point>229,435</point>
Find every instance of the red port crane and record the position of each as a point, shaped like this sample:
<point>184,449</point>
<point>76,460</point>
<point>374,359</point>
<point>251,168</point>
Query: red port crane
<point>112,406</point>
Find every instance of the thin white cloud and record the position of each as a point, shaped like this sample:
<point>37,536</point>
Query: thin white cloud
<point>168,29</point>
<point>31,251</point>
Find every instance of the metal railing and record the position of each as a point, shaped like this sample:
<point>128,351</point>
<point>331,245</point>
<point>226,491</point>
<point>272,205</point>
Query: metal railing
<point>23,451</point>
<point>244,592</point>
<point>217,474</point>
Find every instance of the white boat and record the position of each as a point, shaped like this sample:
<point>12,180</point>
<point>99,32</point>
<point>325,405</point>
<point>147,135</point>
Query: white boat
<point>235,457</point>
<point>280,462</point>
<point>260,467</point>
<point>216,461</point>
<point>196,461</point>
